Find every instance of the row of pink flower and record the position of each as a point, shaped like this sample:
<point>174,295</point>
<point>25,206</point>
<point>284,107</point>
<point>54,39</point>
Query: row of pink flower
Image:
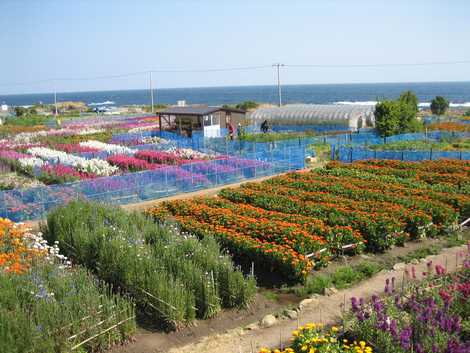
<point>62,170</point>
<point>131,164</point>
<point>10,145</point>
<point>109,121</point>
<point>75,148</point>
<point>11,155</point>
<point>160,157</point>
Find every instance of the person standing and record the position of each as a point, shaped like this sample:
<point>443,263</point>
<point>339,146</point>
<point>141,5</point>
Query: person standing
<point>230,130</point>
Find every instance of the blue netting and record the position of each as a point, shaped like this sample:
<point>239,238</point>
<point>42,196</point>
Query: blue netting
<point>351,154</point>
<point>237,161</point>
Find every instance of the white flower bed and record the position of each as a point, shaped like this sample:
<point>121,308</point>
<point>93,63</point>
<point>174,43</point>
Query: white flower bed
<point>144,128</point>
<point>187,153</point>
<point>95,166</point>
<point>110,148</point>
<point>54,156</point>
<point>33,162</point>
<point>154,141</point>
<point>28,137</point>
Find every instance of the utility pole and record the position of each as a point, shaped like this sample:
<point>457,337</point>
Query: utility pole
<point>278,66</point>
<point>151,91</point>
<point>55,98</point>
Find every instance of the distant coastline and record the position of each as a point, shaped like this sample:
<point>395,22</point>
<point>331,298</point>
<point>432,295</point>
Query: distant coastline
<point>458,93</point>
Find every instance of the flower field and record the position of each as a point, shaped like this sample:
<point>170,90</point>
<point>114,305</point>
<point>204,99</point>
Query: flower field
<point>432,316</point>
<point>117,160</point>
<point>46,305</point>
<point>292,223</point>
<point>315,338</point>
<point>173,277</point>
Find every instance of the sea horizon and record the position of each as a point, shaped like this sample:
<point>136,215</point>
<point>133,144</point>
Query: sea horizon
<point>457,92</point>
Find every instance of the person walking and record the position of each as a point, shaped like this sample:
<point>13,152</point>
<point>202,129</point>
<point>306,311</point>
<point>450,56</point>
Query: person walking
<point>265,126</point>
<point>230,130</point>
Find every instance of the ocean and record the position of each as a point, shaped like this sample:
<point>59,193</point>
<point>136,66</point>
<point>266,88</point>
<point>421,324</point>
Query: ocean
<point>458,93</point>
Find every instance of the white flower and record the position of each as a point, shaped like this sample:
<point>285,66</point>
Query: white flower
<point>144,128</point>
<point>95,166</point>
<point>31,162</point>
<point>110,148</point>
<point>154,140</point>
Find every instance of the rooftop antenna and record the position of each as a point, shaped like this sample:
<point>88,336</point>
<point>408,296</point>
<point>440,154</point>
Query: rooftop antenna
<point>279,92</point>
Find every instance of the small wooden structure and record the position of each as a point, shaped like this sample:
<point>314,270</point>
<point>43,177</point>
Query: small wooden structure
<point>210,120</point>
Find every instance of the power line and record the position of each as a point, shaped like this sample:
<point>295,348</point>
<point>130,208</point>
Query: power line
<point>230,69</point>
<point>93,78</point>
<point>435,63</point>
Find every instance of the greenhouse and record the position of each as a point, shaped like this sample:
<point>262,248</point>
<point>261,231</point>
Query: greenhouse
<point>352,116</point>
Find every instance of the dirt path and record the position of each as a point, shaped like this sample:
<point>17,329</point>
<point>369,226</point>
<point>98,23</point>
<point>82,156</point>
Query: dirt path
<point>324,309</point>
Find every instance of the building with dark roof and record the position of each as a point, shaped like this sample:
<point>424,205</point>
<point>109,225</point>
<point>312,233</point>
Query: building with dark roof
<point>210,120</point>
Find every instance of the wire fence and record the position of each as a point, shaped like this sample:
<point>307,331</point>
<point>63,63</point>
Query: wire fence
<point>351,154</point>
<point>235,162</point>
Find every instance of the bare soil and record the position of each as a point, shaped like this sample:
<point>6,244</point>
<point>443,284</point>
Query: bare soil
<point>228,332</point>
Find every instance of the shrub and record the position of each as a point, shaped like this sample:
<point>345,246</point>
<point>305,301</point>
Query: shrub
<point>47,306</point>
<point>173,277</point>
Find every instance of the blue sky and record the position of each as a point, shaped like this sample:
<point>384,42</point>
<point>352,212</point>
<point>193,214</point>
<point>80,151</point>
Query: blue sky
<point>44,39</point>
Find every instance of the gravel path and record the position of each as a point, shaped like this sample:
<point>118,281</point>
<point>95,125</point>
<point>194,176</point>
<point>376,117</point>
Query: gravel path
<point>324,309</point>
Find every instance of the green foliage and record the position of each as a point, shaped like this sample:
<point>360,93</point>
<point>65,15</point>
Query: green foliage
<point>452,145</point>
<point>27,120</point>
<point>247,105</point>
<point>387,117</point>
<point>419,254</point>
<point>23,112</point>
<point>174,278</point>
<point>41,310</point>
<point>277,136</point>
<point>409,98</point>
<point>397,116</point>
<point>52,140</point>
<point>467,113</point>
<point>439,105</point>
<point>315,284</point>
<point>343,277</point>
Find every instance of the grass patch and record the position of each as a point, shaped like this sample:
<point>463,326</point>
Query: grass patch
<point>342,278</point>
<point>270,295</point>
<point>420,254</point>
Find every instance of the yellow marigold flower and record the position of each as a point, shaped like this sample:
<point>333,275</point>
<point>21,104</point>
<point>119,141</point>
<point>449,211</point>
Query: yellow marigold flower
<point>265,350</point>
<point>334,329</point>
<point>303,348</point>
<point>295,333</point>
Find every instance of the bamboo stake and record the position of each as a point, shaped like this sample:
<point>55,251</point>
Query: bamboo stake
<point>101,333</point>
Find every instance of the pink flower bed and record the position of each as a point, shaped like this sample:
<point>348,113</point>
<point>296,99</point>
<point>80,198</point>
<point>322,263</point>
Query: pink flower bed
<point>131,164</point>
<point>75,148</point>
<point>159,157</point>
<point>11,155</point>
<point>65,171</point>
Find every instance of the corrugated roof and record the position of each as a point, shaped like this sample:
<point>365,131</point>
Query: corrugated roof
<point>316,114</point>
<point>196,110</point>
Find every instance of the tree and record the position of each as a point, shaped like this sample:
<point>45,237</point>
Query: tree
<point>439,105</point>
<point>387,117</point>
<point>398,116</point>
<point>20,111</point>
<point>247,105</point>
<point>409,98</point>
